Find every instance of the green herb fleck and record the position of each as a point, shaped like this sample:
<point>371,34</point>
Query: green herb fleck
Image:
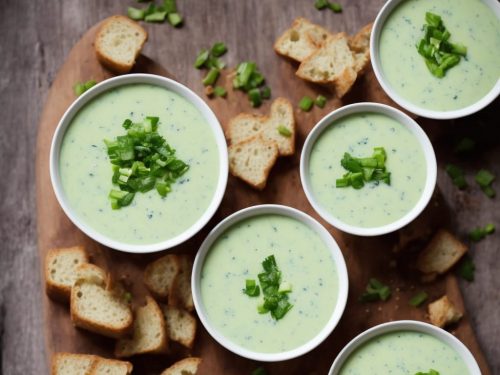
<point>466,269</point>
<point>218,49</point>
<point>80,88</point>
<point>375,291</point>
<point>259,371</point>
<point>431,372</point>
<point>135,14</point>
<point>251,288</point>
<point>477,234</point>
<point>484,179</point>
<point>465,145</point>
<point>250,80</point>
<point>306,103</point>
<point>323,4</point>
<point>418,299</point>
<point>284,131</point>
<point>220,91</point>
<point>457,176</point>
<point>361,170</point>
<point>320,101</point>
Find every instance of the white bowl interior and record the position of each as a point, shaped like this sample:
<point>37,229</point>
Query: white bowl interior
<point>327,239</point>
<point>406,325</point>
<point>386,10</point>
<point>430,159</point>
<point>126,80</point>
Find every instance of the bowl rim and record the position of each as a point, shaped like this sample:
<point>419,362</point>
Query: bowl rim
<point>404,120</point>
<point>406,325</point>
<point>386,10</point>
<point>334,251</point>
<point>107,85</point>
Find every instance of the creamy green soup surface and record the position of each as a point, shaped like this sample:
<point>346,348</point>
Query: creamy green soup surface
<point>86,171</point>
<point>404,353</point>
<point>471,23</point>
<point>305,262</point>
<point>374,205</point>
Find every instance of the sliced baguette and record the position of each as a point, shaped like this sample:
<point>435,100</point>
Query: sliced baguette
<point>244,126</point>
<point>301,39</point>
<point>150,333</point>
<point>181,325</point>
<point>186,366</point>
<point>60,270</point>
<point>182,295</point>
<point>99,310</point>
<point>161,275</point>
<point>252,160</point>
<point>92,273</point>
<point>360,45</point>
<point>72,364</point>
<point>104,366</point>
<point>118,43</point>
<point>443,312</point>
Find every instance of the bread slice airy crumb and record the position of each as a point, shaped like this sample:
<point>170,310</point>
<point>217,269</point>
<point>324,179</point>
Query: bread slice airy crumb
<point>150,332</point>
<point>60,270</point>
<point>186,366</point>
<point>301,40</point>
<point>181,325</point>
<point>360,45</point>
<point>443,312</point>
<point>104,366</point>
<point>72,364</point>
<point>182,295</point>
<point>118,43</point>
<point>160,276</point>
<point>92,273</point>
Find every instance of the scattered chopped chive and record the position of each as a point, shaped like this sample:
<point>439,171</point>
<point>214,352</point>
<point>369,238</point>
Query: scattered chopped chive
<point>150,9</point>
<point>243,73</point>
<point>218,49</point>
<point>170,6</point>
<point>220,91</point>
<point>175,19</point>
<point>249,79</point>
<point>211,77</point>
<point>89,84</point>
<point>431,372</point>
<point>489,228</point>
<point>320,101</point>
<point>259,371</point>
<point>265,92</point>
<point>284,131</point>
<point>155,17</point>
<point>375,291</point>
<point>80,87</point>
<point>255,97</point>
<point>418,299</point>
<point>335,7</point>
<point>321,4</point>
<point>484,179</point>
<point>201,59</point>
<point>361,170</point>
<point>251,288</point>
<point>127,296</point>
<point>457,176</point>
<point>465,145</point>
<point>135,14</point>
<point>466,269</point>
<point>306,103</point>
<point>477,234</point>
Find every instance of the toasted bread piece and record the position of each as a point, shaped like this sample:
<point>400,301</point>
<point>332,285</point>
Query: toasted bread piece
<point>181,325</point>
<point>301,39</point>
<point>245,126</point>
<point>442,253</point>
<point>160,276</point>
<point>443,312</point>
<point>182,295</point>
<point>72,364</point>
<point>118,43</point>
<point>186,366</point>
<point>150,332</point>
<point>60,270</point>
<point>92,273</point>
<point>252,160</point>
<point>360,45</point>
<point>104,366</point>
<point>332,64</point>
<point>99,310</point>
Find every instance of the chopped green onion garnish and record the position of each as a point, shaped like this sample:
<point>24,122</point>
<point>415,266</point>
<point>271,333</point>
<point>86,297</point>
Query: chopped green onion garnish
<point>259,371</point>
<point>361,170</point>
<point>284,131</point>
<point>418,299</point>
<point>249,79</point>
<point>135,14</point>
<point>465,145</point>
<point>477,234</point>
<point>220,91</point>
<point>321,4</point>
<point>265,92</point>
<point>89,84</point>
<point>211,77</point>
<point>170,6</point>
<point>457,176</point>
<point>337,8</point>
<point>156,16</point>
<point>201,59</point>
<point>484,179</point>
<point>306,103</point>
<point>218,49</point>
<point>466,269</point>
<point>431,372</point>
<point>375,291</point>
<point>255,97</point>
<point>251,288</point>
<point>320,101</point>
<point>175,19</point>
<point>80,88</point>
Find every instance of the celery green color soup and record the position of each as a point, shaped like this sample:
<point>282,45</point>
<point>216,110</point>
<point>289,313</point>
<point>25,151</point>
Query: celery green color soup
<point>404,353</point>
<point>471,23</point>
<point>376,204</point>
<point>304,260</point>
<point>86,171</point>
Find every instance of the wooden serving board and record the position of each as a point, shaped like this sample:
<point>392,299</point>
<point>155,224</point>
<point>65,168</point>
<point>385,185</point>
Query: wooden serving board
<point>365,257</point>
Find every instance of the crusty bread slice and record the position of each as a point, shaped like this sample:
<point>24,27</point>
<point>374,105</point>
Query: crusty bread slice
<point>332,64</point>
<point>442,253</point>
<point>161,275</point>
<point>443,312</point>
<point>182,295</point>
<point>99,310</point>
<point>244,126</point>
<point>60,270</point>
<point>181,325</point>
<point>252,160</point>
<point>301,39</point>
<point>92,273</point>
<point>360,45</point>
<point>150,332</point>
<point>118,43</point>
<point>104,366</point>
<point>186,366</point>
<point>72,364</point>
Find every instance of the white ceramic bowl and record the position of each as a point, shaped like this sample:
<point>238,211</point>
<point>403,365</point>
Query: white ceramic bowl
<point>378,70</point>
<point>168,84</point>
<point>430,159</point>
<point>337,258</point>
<point>406,325</point>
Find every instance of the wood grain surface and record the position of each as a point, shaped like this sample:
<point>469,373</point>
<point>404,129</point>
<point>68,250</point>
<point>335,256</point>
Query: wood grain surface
<point>33,55</point>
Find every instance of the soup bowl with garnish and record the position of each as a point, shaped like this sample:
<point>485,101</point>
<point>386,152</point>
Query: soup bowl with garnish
<point>368,169</point>
<point>269,283</point>
<point>438,58</point>
<point>405,347</point>
<point>139,163</point>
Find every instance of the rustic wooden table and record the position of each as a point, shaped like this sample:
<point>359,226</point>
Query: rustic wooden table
<point>37,36</point>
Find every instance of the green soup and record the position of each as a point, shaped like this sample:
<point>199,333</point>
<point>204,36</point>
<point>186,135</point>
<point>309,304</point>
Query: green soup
<point>304,260</point>
<point>471,23</point>
<point>86,171</point>
<point>404,353</point>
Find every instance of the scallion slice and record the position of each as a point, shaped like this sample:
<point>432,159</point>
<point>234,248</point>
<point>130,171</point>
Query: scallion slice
<point>218,49</point>
<point>457,176</point>
<point>284,131</point>
<point>320,101</point>
<point>135,14</point>
<point>418,299</point>
<point>484,179</point>
<point>201,59</point>
<point>466,269</point>
<point>306,103</point>
<point>156,16</point>
<point>211,77</point>
<point>175,19</point>
<point>375,291</point>
<point>361,170</point>
<point>220,91</point>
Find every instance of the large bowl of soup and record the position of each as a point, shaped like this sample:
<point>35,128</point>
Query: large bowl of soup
<point>83,177</point>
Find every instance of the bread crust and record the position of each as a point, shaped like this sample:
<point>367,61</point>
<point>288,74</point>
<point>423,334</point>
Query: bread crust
<point>151,269</point>
<point>179,366</point>
<point>57,356</point>
<point>100,361</point>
